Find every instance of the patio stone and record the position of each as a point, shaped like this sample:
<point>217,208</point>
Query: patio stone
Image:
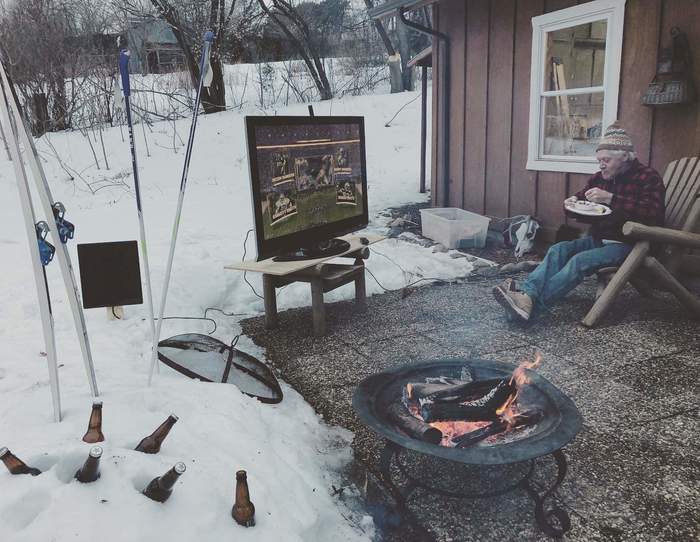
<point>634,470</point>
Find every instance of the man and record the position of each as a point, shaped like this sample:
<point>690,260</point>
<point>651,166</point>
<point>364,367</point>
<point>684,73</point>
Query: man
<point>633,192</point>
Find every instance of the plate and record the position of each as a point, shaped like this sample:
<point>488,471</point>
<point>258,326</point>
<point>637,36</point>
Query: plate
<point>588,208</point>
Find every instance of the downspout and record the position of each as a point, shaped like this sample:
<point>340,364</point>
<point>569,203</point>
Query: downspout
<point>444,55</point>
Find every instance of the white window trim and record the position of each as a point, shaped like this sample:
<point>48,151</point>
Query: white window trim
<point>614,12</point>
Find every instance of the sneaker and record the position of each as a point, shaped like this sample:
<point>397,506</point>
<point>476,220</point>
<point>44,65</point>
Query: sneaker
<point>509,285</point>
<point>517,304</point>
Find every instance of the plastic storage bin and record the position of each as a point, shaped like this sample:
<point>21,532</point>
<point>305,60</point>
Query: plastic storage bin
<point>454,227</point>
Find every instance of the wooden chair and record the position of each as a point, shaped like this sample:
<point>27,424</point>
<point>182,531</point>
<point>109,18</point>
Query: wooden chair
<point>646,272</point>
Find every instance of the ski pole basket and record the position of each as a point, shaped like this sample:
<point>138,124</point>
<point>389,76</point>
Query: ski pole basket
<point>66,229</point>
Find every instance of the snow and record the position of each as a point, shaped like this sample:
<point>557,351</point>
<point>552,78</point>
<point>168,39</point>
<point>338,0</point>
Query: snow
<point>291,456</point>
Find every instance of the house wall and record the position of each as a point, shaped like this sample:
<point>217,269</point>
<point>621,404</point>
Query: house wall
<point>489,103</point>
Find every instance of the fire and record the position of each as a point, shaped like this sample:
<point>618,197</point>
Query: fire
<point>509,412</point>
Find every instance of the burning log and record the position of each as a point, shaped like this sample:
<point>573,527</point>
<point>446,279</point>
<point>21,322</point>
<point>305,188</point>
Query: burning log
<point>530,417</point>
<point>448,393</point>
<point>413,426</point>
<point>481,409</point>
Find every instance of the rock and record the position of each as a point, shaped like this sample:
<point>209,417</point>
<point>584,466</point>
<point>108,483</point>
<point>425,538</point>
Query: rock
<point>479,264</point>
<point>508,268</point>
<point>439,248</point>
<point>489,271</point>
<point>457,254</point>
<point>394,232</point>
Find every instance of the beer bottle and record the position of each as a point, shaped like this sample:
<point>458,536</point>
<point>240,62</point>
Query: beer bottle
<point>90,471</point>
<point>16,465</point>
<point>94,431</point>
<point>243,510</point>
<point>160,488</point>
<point>151,444</point>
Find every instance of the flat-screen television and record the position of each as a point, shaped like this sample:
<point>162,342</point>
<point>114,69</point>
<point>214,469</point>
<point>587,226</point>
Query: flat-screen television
<point>308,183</point>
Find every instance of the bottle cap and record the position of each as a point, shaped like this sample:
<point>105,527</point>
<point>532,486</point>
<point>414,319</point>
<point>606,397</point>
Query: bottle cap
<point>96,451</point>
<point>97,404</point>
<point>174,417</point>
<point>240,475</point>
<point>180,467</point>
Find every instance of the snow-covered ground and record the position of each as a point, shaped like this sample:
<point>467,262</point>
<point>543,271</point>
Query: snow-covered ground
<point>292,458</point>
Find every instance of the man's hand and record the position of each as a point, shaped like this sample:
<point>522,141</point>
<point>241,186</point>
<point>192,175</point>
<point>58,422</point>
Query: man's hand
<point>598,195</point>
<point>570,200</point>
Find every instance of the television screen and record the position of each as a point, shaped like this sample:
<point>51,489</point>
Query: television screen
<point>309,180</point>
<point>110,275</point>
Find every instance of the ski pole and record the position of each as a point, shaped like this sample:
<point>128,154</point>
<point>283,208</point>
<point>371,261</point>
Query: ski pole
<point>204,73</point>
<point>126,90</point>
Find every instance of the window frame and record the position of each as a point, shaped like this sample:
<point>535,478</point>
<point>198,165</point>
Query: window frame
<point>613,11</point>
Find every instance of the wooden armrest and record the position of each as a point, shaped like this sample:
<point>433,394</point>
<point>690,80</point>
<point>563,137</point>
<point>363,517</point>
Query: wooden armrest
<point>668,236</point>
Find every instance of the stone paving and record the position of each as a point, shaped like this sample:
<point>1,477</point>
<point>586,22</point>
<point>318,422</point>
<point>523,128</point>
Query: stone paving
<point>634,469</point>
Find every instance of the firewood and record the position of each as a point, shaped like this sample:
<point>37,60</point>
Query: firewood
<point>482,409</point>
<point>453,393</point>
<point>412,426</point>
<point>530,417</point>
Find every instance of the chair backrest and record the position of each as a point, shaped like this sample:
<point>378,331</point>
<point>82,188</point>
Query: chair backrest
<point>682,181</point>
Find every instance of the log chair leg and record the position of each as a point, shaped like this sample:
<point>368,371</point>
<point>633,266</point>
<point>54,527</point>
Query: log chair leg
<point>319,310</point>
<point>270,301</point>
<point>667,280</point>
<point>620,278</point>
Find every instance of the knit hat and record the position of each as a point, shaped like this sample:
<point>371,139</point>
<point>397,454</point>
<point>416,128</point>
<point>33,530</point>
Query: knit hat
<point>615,139</point>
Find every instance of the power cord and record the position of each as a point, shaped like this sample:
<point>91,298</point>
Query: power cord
<point>245,241</point>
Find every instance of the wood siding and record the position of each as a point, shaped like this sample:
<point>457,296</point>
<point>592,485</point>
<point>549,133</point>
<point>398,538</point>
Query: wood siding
<point>490,50</point>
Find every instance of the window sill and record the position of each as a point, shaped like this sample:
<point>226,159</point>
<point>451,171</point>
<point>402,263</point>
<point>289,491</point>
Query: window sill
<point>563,166</point>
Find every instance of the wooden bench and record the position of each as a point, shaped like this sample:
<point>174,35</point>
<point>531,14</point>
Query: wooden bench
<point>322,277</point>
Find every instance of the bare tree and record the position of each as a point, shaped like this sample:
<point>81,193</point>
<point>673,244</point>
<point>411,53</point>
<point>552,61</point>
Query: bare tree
<point>295,28</point>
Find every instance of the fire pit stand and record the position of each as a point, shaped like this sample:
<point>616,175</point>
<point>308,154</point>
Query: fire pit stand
<point>553,522</point>
<point>560,424</point>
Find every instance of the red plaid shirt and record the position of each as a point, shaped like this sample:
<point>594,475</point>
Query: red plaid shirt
<point>638,194</point>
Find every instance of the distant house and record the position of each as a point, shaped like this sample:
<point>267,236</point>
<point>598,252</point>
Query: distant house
<point>153,46</point>
<point>523,88</point>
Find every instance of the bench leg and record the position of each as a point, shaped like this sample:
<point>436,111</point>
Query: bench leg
<point>361,290</point>
<point>270,301</point>
<point>319,311</point>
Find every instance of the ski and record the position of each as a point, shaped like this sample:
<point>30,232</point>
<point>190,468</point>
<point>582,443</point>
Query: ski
<point>61,230</point>
<point>126,91</point>
<point>42,251</point>
<point>204,74</point>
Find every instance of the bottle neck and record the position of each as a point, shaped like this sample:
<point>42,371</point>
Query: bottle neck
<point>162,431</point>
<point>242,494</point>
<point>167,481</point>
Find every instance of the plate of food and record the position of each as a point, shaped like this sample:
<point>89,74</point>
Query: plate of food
<point>587,208</point>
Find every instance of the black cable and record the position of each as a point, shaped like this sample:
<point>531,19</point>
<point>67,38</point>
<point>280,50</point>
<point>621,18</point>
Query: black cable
<point>115,314</point>
<point>244,272</point>
<point>191,318</point>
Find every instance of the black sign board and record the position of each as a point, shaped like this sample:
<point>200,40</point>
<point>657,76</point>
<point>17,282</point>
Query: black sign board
<point>110,275</point>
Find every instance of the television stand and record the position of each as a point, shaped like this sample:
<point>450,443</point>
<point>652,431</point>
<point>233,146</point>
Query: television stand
<point>322,249</point>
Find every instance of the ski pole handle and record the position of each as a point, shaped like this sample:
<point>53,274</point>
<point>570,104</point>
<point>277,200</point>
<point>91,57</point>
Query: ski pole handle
<point>124,71</point>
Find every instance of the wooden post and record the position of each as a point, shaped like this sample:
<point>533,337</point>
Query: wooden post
<point>317,307</point>
<point>667,280</point>
<point>270,301</point>
<point>633,261</point>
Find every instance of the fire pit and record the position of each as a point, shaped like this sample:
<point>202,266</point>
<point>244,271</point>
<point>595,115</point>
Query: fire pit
<point>552,420</point>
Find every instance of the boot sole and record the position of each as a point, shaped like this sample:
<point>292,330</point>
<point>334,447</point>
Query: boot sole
<point>507,303</point>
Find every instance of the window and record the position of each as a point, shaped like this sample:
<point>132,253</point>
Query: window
<point>575,77</point>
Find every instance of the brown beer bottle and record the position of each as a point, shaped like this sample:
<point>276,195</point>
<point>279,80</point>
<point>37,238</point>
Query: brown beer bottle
<point>243,510</point>
<point>90,471</point>
<point>94,431</point>
<point>16,465</point>
<point>161,487</point>
<point>151,444</point>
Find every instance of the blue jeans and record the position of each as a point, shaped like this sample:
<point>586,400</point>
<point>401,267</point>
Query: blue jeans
<point>565,266</point>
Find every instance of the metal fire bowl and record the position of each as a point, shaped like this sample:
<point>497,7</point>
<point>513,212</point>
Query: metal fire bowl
<point>561,423</point>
